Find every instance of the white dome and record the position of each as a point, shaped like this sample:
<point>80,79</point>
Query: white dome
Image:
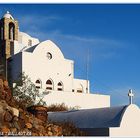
<point>8,15</point>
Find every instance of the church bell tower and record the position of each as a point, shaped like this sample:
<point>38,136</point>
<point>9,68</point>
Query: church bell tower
<point>8,34</point>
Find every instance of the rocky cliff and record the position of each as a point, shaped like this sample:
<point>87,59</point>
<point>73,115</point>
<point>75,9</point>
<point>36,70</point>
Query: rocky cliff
<point>15,120</point>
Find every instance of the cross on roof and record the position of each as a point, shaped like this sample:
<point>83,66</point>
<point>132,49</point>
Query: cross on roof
<point>130,95</point>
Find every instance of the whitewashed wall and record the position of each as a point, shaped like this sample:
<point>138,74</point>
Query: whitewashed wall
<point>130,124</point>
<point>80,100</point>
<point>37,66</point>
<point>78,83</point>
<point>24,38</point>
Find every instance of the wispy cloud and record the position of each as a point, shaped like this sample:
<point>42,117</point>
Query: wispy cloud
<point>29,19</point>
<point>102,48</point>
<point>37,22</point>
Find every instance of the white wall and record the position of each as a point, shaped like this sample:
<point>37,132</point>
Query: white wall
<point>83,101</point>
<point>84,84</point>
<point>23,38</point>
<point>130,124</point>
<point>38,66</point>
<point>22,42</point>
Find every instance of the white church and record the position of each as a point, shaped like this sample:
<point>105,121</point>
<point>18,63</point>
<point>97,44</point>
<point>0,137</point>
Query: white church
<point>53,76</point>
<point>49,70</point>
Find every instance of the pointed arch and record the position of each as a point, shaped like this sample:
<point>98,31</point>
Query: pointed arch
<point>11,31</point>
<point>38,84</point>
<point>60,86</point>
<point>49,84</point>
<point>80,89</point>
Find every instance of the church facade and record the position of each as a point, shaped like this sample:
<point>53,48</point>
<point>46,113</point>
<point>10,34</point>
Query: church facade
<point>46,66</point>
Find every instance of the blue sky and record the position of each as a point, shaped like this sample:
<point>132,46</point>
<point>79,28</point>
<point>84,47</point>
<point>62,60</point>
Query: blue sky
<point>108,34</point>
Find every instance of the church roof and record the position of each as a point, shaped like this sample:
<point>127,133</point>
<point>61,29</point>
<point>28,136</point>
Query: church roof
<point>91,118</point>
<point>8,15</point>
<point>31,49</point>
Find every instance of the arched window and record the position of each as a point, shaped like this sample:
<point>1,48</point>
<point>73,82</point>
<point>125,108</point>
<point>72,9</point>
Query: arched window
<point>80,89</point>
<point>11,31</point>
<point>60,86</point>
<point>49,55</point>
<point>38,84</point>
<point>49,84</point>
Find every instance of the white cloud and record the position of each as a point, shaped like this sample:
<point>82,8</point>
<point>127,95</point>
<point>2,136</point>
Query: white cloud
<point>101,48</point>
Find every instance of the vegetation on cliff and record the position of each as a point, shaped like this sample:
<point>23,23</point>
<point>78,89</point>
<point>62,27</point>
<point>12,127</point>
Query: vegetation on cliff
<point>15,120</point>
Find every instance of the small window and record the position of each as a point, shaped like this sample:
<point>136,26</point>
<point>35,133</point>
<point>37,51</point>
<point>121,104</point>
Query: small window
<point>80,89</point>
<point>38,84</point>
<point>49,82</point>
<point>49,88</point>
<point>49,55</point>
<point>49,85</point>
<point>60,86</point>
<point>29,42</point>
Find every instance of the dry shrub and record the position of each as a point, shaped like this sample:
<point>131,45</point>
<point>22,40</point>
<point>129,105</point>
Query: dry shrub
<point>57,107</point>
<point>69,129</point>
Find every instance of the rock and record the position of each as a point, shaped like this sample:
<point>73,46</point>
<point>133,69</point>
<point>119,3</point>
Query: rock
<point>16,125</point>
<point>30,120</point>
<point>5,84</point>
<point>13,130</point>
<point>25,130</point>
<point>1,83</point>
<point>34,134</point>
<point>21,115</point>
<point>40,134</point>
<point>40,128</point>
<point>49,128</point>
<point>20,110</point>
<point>8,116</point>
<point>3,104</point>
<point>15,111</point>
<point>15,118</point>
<point>55,129</point>
<point>28,125</point>
<point>26,119</point>
<point>21,123</point>
<point>5,130</point>
<point>50,133</point>
<point>5,107</point>
<point>1,114</point>
<point>37,121</point>
<point>39,111</point>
